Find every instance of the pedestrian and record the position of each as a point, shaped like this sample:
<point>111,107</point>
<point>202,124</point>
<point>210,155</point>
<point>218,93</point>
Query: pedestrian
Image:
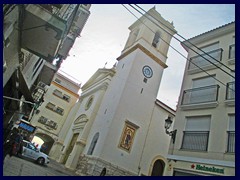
<point>17,144</point>
<point>43,148</point>
<point>9,143</point>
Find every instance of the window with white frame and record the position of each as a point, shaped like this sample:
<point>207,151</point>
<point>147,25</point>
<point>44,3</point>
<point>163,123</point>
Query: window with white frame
<point>231,134</point>
<point>196,134</point>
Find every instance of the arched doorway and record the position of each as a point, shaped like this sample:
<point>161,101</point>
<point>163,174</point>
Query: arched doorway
<point>158,168</point>
<point>47,142</point>
<point>70,147</point>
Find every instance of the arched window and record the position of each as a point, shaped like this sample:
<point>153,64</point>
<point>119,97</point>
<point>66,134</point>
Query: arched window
<point>156,39</point>
<point>93,144</point>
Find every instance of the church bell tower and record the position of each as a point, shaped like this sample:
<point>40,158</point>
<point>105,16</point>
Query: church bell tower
<point>126,109</point>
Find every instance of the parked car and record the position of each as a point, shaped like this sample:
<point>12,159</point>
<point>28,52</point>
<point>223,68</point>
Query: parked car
<point>30,151</point>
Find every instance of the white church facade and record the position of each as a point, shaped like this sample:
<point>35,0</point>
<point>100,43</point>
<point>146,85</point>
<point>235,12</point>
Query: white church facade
<point>118,124</point>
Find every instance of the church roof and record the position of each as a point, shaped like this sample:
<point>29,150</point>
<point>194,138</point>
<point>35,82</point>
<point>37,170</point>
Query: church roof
<point>165,107</point>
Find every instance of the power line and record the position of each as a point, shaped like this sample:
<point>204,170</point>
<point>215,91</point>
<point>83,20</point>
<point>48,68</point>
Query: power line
<point>185,40</point>
<point>213,76</point>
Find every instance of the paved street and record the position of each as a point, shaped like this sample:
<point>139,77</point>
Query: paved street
<point>15,166</point>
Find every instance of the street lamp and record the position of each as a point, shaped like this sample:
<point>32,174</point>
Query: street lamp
<point>168,123</point>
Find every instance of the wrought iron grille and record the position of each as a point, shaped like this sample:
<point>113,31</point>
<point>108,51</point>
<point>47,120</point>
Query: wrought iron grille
<point>195,140</point>
<point>231,142</point>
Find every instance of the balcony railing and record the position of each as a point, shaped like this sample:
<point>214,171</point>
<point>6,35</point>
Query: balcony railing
<point>232,51</point>
<point>200,95</point>
<point>231,142</point>
<point>48,25</point>
<point>203,59</point>
<point>53,8</point>
<point>230,91</point>
<point>195,140</point>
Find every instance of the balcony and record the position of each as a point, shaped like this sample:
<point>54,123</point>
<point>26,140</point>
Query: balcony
<point>231,56</point>
<point>203,61</point>
<point>66,46</point>
<point>195,140</point>
<point>202,97</point>
<point>74,32</point>
<point>42,30</point>
<point>230,94</point>
<point>231,142</point>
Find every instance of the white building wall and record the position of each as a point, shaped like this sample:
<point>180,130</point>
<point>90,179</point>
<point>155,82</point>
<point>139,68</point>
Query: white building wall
<point>217,142</point>
<point>157,141</point>
<point>123,102</point>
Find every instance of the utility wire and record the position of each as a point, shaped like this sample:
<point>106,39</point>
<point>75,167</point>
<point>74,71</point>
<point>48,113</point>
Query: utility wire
<point>178,51</point>
<point>185,40</point>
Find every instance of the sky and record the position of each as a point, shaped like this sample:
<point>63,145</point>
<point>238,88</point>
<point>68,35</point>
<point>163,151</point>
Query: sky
<point>106,32</point>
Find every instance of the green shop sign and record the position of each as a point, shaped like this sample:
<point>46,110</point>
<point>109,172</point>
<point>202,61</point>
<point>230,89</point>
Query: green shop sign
<point>208,169</point>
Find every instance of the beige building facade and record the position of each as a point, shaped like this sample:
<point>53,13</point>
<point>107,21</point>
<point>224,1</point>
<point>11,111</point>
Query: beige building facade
<point>205,117</point>
<point>50,117</point>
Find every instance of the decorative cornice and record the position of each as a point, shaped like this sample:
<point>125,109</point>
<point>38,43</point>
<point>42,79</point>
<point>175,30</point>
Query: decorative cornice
<point>102,86</point>
<point>147,52</point>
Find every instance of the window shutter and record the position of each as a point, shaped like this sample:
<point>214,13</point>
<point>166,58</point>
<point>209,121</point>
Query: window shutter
<point>198,123</point>
<point>206,81</point>
<point>231,123</point>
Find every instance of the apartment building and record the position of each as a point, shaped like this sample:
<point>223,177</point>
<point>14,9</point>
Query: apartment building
<point>36,39</point>
<point>59,98</point>
<point>205,117</point>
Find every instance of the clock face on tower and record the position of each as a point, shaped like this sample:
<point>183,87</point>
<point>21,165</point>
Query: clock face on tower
<point>147,71</point>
